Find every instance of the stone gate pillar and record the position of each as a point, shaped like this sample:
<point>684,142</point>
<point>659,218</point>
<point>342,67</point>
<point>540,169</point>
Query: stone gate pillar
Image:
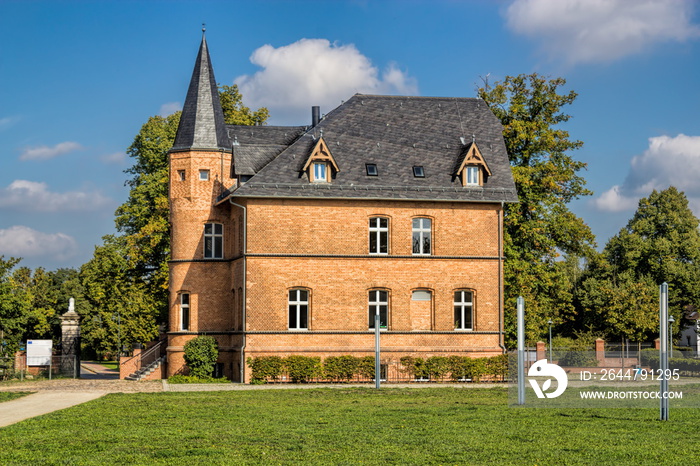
<point>70,341</point>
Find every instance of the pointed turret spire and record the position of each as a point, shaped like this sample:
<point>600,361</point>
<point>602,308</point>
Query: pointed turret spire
<point>202,123</point>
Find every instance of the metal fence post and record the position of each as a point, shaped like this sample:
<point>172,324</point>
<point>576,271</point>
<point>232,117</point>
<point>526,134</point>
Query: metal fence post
<point>521,350</point>
<point>377,364</point>
<point>663,351</point>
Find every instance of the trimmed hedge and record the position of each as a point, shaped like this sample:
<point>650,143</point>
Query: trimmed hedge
<point>301,369</point>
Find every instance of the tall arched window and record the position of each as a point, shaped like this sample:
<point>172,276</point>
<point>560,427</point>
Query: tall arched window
<point>378,235</point>
<point>422,238</point>
<point>184,311</point>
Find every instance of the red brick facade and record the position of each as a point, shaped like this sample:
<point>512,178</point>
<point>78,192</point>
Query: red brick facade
<point>322,246</point>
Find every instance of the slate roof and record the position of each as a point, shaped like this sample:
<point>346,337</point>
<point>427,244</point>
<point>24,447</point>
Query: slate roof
<point>256,146</point>
<point>202,123</point>
<point>393,132</point>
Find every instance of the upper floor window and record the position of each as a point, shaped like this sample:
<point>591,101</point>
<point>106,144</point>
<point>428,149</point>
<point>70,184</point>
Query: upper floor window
<point>184,311</point>
<point>320,170</point>
<point>421,236</point>
<point>204,175</point>
<point>181,175</point>
<point>464,310</point>
<point>378,235</point>
<point>213,241</point>
<point>379,305</point>
<point>472,175</point>
<point>298,309</point>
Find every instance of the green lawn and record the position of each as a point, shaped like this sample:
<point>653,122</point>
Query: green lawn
<point>7,396</point>
<point>346,426</point>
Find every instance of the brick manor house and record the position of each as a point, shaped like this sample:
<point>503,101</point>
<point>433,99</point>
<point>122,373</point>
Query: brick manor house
<point>288,240</point>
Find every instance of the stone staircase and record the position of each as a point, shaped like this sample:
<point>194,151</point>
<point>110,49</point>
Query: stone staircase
<point>147,370</point>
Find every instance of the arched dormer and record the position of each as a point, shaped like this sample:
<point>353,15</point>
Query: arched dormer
<point>473,169</point>
<point>320,166</point>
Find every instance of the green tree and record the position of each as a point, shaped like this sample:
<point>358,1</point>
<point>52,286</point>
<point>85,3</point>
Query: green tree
<point>14,307</point>
<point>122,310</point>
<point>235,113</point>
<point>660,243</point>
<point>540,228</point>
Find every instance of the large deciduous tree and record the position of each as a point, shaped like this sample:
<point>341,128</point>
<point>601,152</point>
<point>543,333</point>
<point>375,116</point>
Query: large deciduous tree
<point>660,243</point>
<point>540,228</point>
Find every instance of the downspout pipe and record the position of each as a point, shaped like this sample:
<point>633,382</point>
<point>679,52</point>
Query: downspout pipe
<point>245,279</point>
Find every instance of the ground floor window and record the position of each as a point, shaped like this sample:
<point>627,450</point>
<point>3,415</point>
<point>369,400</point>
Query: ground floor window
<point>379,304</point>
<point>464,309</point>
<point>298,309</point>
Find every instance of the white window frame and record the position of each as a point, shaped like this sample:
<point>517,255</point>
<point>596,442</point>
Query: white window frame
<point>296,307</point>
<point>184,300</point>
<point>215,238</point>
<point>376,233</point>
<point>463,307</point>
<point>422,232</point>
<point>320,172</point>
<point>378,299</point>
<point>203,175</point>
<point>471,175</point>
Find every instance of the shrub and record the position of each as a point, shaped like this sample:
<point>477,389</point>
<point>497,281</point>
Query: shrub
<point>437,367</point>
<point>365,367</point>
<point>191,379</point>
<point>200,356</point>
<point>497,366</point>
<point>416,367</point>
<point>265,367</point>
<point>302,368</point>
<point>579,359</point>
<point>341,367</point>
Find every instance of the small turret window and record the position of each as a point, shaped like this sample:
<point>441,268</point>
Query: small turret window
<point>204,175</point>
<point>181,176</point>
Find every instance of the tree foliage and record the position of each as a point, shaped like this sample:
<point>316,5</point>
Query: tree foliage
<point>660,243</point>
<point>235,113</point>
<point>540,228</point>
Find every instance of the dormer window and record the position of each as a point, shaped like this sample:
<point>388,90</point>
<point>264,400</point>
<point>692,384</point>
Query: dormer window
<point>472,169</point>
<point>320,166</point>
<point>472,176</point>
<point>320,170</point>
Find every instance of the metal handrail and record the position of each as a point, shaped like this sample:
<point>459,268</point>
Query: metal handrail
<point>144,358</point>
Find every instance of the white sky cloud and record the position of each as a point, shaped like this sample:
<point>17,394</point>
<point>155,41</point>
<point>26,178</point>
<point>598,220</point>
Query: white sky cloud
<point>32,196</point>
<point>668,161</point>
<point>585,31</point>
<point>21,241</point>
<point>114,158</point>
<point>49,152</point>
<point>316,72</point>
<point>169,108</point>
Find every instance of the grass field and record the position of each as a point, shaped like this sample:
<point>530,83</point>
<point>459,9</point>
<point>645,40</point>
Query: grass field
<point>7,396</point>
<point>347,426</point>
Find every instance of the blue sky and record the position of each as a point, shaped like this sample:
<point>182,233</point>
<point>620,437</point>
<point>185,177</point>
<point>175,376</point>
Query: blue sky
<point>79,78</point>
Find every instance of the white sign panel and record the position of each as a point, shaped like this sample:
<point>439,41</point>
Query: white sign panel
<point>39,352</point>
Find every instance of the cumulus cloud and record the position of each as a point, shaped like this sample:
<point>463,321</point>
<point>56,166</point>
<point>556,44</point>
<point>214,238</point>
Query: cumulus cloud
<point>316,72</point>
<point>49,152</point>
<point>22,241</point>
<point>668,161</point>
<point>114,158</point>
<point>32,196</point>
<point>169,108</point>
<point>585,31</point>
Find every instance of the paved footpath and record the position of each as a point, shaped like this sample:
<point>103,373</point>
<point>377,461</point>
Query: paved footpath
<point>40,403</point>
